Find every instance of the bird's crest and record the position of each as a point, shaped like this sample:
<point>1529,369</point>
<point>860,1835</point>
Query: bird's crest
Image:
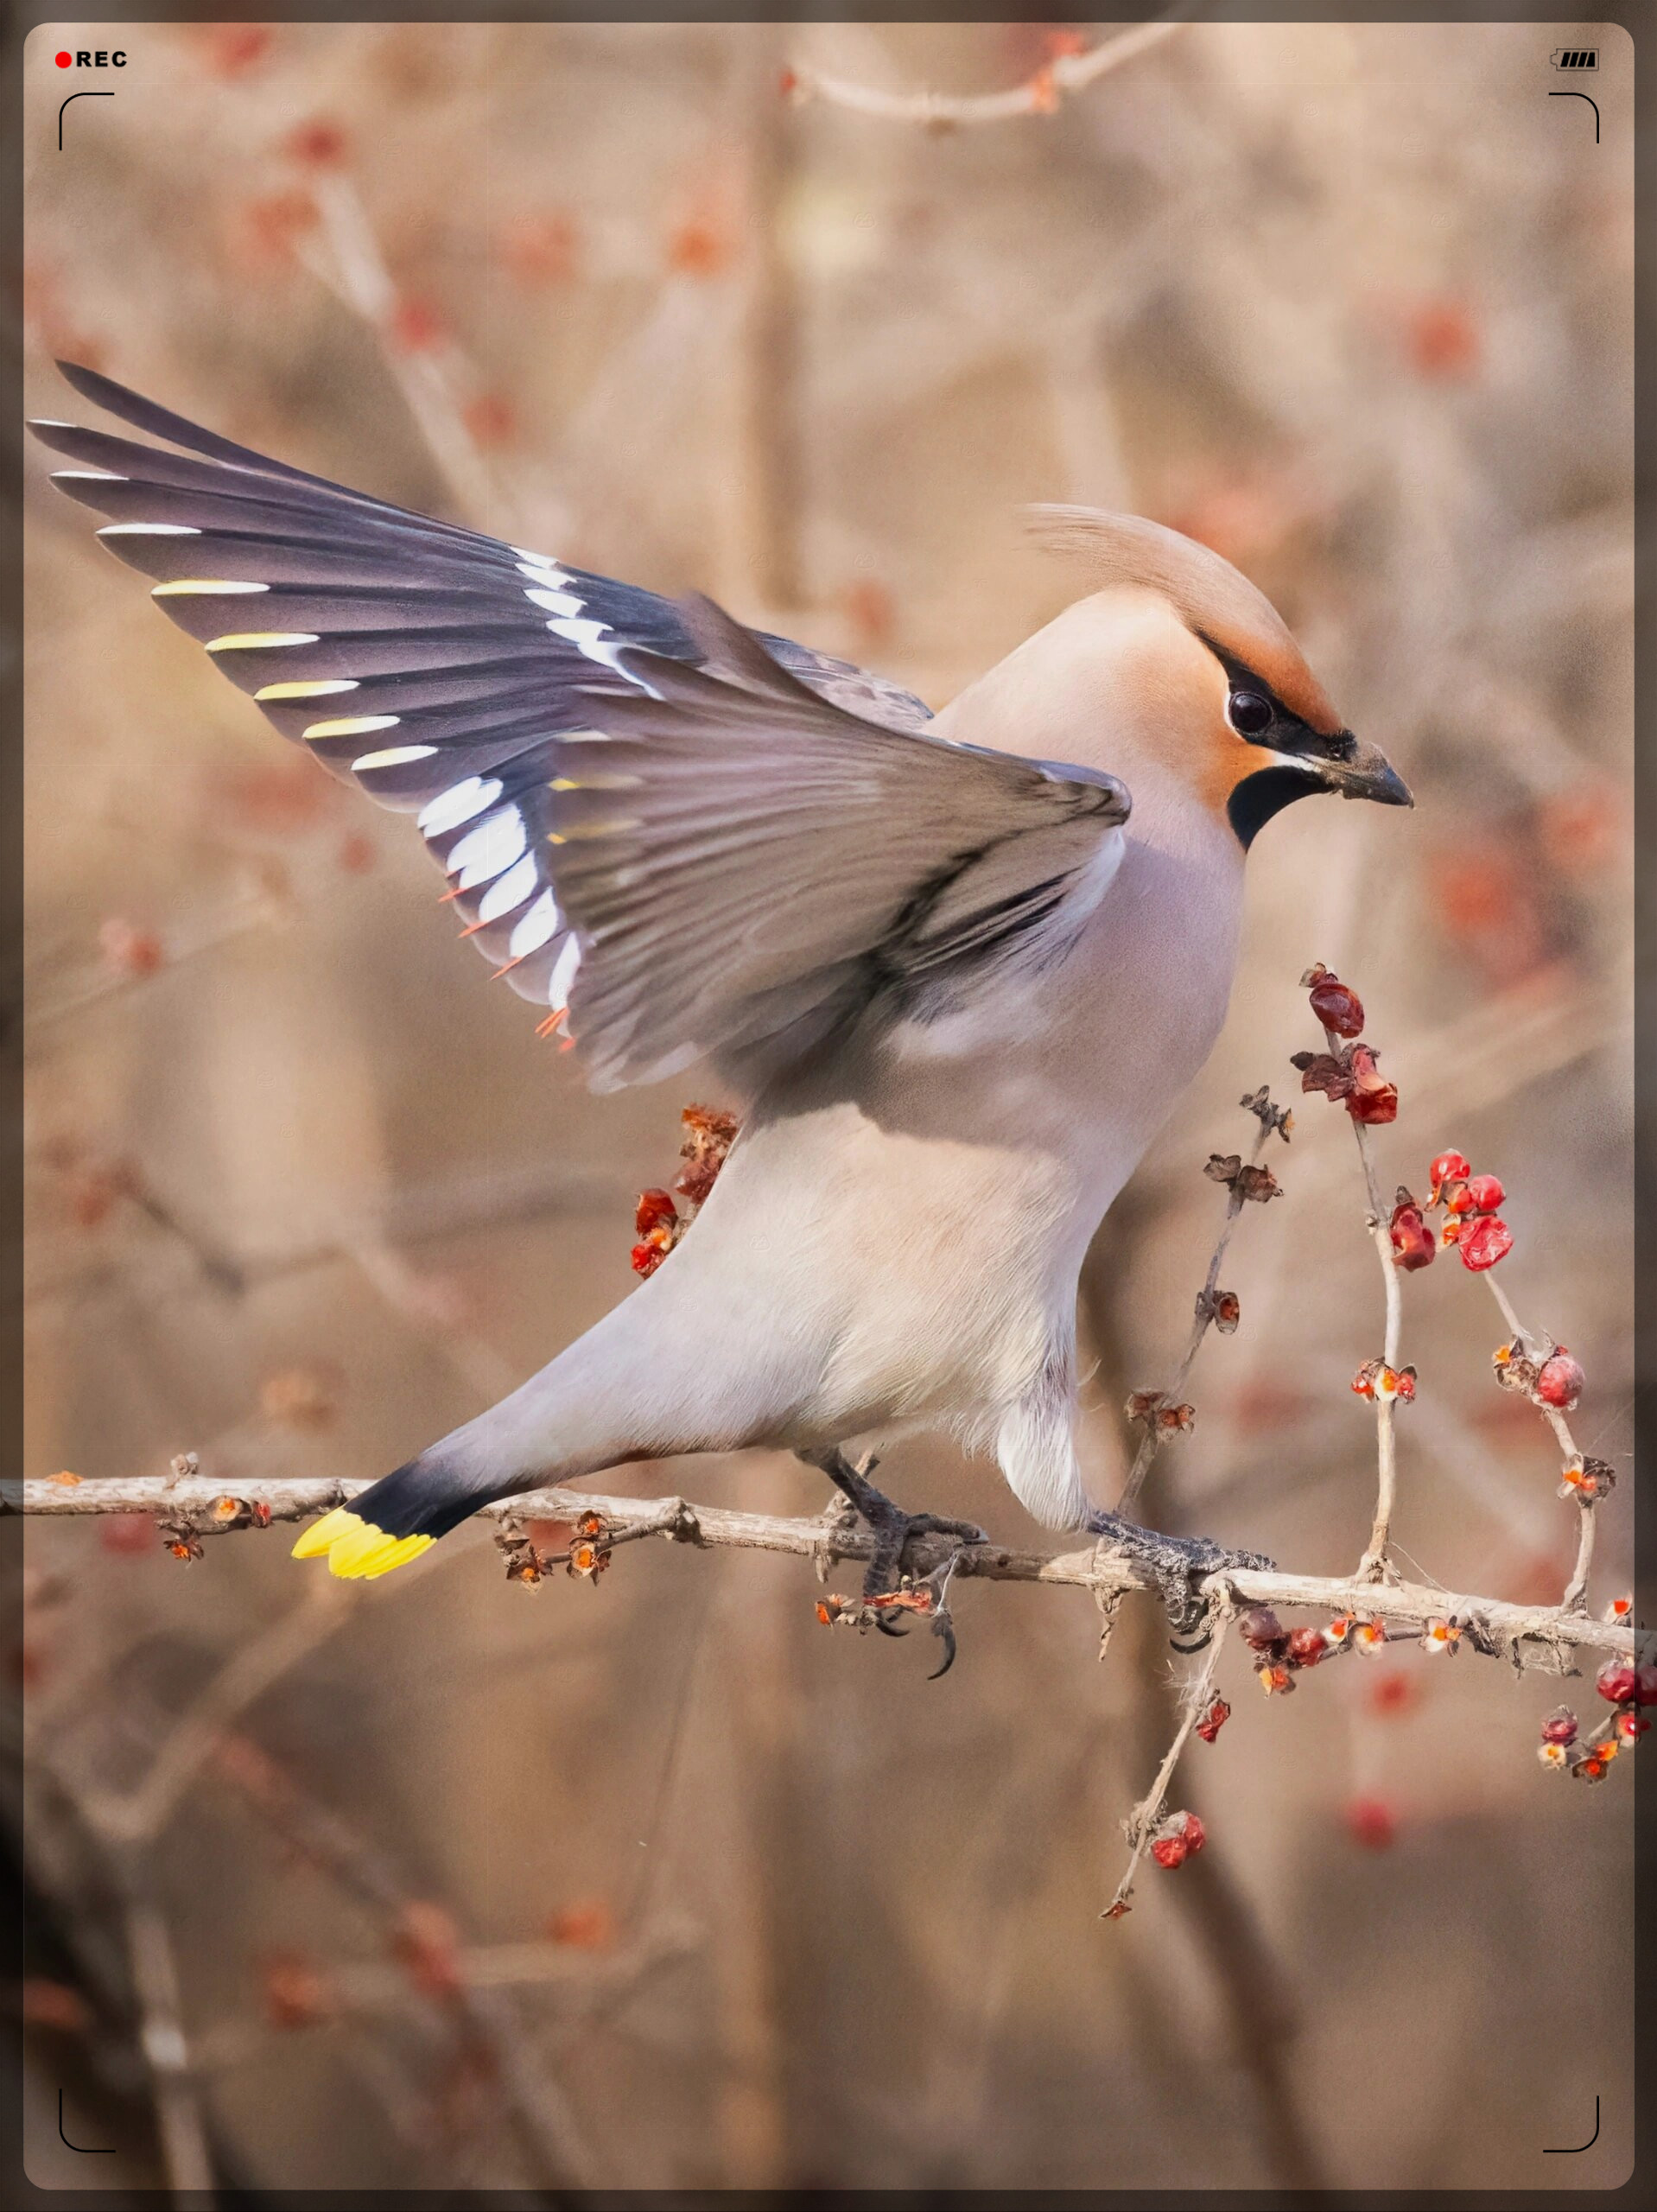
<point>1214,599</point>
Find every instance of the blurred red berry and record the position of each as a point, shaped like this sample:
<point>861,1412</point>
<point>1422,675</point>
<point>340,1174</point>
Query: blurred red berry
<point>45,2004</point>
<point>1485,1242</point>
<point>1484,1194</point>
<point>702,249</point>
<point>1631,1726</point>
<point>541,249</point>
<point>317,142</point>
<point>416,327</point>
<point>1560,1381</point>
<point>1442,339</point>
<point>130,950</point>
<point>588,1926</point>
<point>1307,1646</point>
<point>266,229</point>
<point>126,1534</point>
<point>1393,1693</point>
<point>868,607</point>
<point>489,419</point>
<point>1370,1821</point>
<point>231,49</point>
<point>1645,1685</point>
<point>295,1993</point>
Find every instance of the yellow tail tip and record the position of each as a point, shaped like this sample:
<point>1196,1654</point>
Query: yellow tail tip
<point>357,1550</point>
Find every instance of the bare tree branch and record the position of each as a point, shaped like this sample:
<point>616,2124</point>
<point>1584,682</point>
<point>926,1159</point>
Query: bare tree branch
<point>1539,1635</point>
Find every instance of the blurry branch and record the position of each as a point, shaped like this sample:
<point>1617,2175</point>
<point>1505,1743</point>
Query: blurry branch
<point>349,264</point>
<point>421,1935</point>
<point>166,2053</point>
<point>199,1509</point>
<point>1040,94</point>
<point>421,1212</point>
<point>370,1988</point>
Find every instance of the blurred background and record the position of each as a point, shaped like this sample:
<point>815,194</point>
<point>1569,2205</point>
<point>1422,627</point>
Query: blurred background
<point>447,1882</point>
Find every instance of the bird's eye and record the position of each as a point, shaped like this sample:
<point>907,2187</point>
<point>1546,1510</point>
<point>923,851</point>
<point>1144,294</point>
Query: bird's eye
<point>1249,714</point>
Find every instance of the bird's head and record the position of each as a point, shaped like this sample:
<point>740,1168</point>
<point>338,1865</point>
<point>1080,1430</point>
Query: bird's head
<point>1234,709</point>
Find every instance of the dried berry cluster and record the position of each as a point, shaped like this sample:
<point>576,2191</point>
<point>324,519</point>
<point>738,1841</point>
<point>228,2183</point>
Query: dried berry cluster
<point>1624,1686</point>
<point>658,1220</point>
<point>1280,1653</point>
<point>1472,1223</point>
<point>586,1557</point>
<point>1347,1071</point>
<point>1177,1838</point>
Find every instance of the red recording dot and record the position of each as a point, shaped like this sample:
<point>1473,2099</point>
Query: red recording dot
<point>64,60</point>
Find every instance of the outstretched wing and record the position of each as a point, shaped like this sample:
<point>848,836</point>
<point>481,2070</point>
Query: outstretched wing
<point>677,831</point>
<point>427,662</point>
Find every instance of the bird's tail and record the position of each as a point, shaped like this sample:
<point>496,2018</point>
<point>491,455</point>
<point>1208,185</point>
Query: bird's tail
<point>393,1521</point>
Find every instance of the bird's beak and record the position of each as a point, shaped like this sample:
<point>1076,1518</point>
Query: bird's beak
<point>1367,773</point>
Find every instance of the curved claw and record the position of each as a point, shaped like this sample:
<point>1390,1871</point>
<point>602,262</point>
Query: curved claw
<point>890,1626</point>
<point>941,1627</point>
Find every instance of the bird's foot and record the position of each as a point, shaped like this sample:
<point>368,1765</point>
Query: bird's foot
<point>888,1592</point>
<point>1180,1564</point>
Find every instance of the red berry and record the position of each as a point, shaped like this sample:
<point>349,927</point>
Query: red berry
<point>1645,1685</point>
<point>1560,1727</point>
<point>1459,1198</point>
<point>1485,1193</point>
<point>1449,1167</point>
<point>1487,1241</point>
<point>1169,1851</point>
<point>1307,1647</point>
<point>1618,1680</point>
<point>1371,1099</point>
<point>1631,1726</point>
<point>656,1210</point>
<point>1560,1381</point>
<point>1412,1241</point>
<point>1337,1007</point>
<point>1261,1628</point>
<point>1213,1721</point>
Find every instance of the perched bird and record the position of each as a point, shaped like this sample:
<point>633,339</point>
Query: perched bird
<point>958,984</point>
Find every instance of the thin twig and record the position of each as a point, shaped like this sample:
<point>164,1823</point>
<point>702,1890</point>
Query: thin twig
<point>1587,1503</point>
<point>1040,94</point>
<point>1140,1824</point>
<point>1155,1435</point>
<point>1375,1565</point>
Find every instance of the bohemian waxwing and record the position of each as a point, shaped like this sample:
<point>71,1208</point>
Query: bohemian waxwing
<point>957,986</point>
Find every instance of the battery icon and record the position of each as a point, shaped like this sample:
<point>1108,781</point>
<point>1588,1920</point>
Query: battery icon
<point>1575,57</point>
